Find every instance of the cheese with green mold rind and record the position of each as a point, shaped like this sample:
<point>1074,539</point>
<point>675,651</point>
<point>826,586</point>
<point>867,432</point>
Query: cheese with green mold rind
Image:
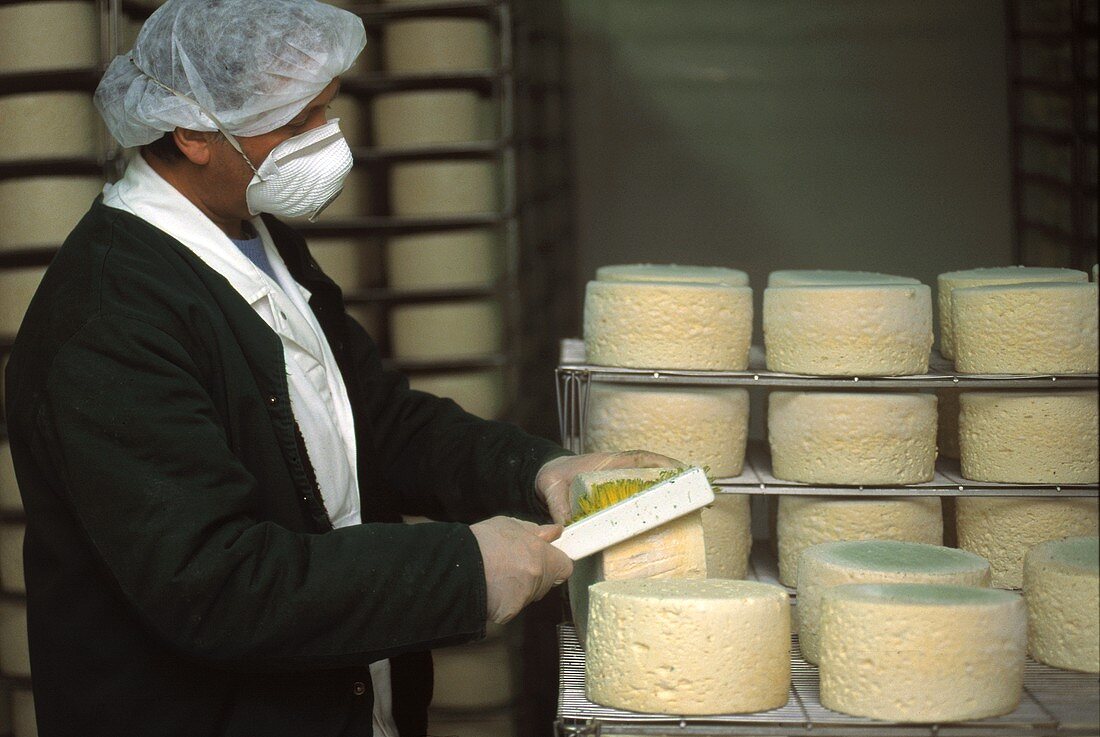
<point>1062,590</point>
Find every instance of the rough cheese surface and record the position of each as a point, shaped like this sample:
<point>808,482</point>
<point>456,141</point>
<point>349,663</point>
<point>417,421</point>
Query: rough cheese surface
<point>1003,530</point>
<point>1026,329</point>
<point>727,532</point>
<point>699,426</point>
<point>875,561</point>
<point>689,647</point>
<point>1062,590</point>
<point>922,652</point>
<point>1030,437</point>
<point>952,280</point>
<point>848,330</point>
<point>824,277</point>
<point>668,325</point>
<point>852,438</point>
<point>673,273</point>
<point>803,521</point>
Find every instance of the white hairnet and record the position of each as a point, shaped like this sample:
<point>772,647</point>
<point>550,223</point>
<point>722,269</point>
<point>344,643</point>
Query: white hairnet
<point>252,64</point>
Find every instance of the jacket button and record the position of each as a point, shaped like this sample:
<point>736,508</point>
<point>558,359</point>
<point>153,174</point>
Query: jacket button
<point>359,688</point>
<point>273,400</point>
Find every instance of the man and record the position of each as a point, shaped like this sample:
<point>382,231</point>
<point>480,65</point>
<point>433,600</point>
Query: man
<point>212,461</point>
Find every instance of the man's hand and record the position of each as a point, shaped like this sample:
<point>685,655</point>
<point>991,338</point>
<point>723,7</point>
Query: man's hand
<point>520,564</point>
<point>554,479</point>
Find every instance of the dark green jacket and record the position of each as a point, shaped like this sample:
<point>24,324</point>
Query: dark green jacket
<point>182,574</point>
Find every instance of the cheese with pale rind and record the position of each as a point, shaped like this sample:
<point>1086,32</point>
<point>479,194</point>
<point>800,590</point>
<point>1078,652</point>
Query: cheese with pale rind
<point>432,45</point>
<point>875,561</point>
<point>42,211</point>
<point>430,117</point>
<point>480,392</point>
<point>668,325</point>
<point>727,533</point>
<point>1003,530</point>
<point>913,652</point>
<point>1030,437</point>
<point>952,280</point>
<point>698,426</point>
<point>824,277</point>
<point>463,258</point>
<point>848,330</point>
<point>39,36</point>
<point>1062,590</point>
<point>438,188</point>
<point>15,659</point>
<point>1026,329</point>
<point>49,125</point>
<point>11,556</point>
<point>446,331</point>
<point>804,521</point>
<point>689,647</point>
<point>852,438</point>
<point>673,273</point>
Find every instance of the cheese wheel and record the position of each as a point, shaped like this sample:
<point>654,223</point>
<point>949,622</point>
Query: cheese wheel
<point>15,659</point>
<point>351,113</point>
<point>1030,437</point>
<point>1026,328</point>
<point>353,263</point>
<point>875,561</point>
<point>913,652</point>
<point>424,118</point>
<point>474,725</point>
<point>435,188</point>
<point>354,199</point>
<point>689,647</point>
<point>480,393</point>
<point>699,426</point>
<point>822,277</point>
<point>42,211</point>
<point>673,273</point>
<point>11,557</point>
<point>727,532</point>
<point>49,35</point>
<point>10,501</point>
<point>852,438</point>
<point>1003,530</point>
<point>947,283</point>
<point>460,258</point>
<point>947,426</point>
<point>848,330</point>
<point>1062,590</point>
<point>431,45</point>
<point>17,287</point>
<point>24,722</point>
<point>1095,275</point>
<point>475,677</point>
<point>804,521</point>
<point>440,332</point>
<point>666,325</point>
<point>49,125</point>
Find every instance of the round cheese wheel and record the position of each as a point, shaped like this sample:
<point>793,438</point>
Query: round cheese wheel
<point>480,393</point>
<point>24,722</point>
<point>727,534</point>
<point>875,561</point>
<point>424,118</point>
<point>1003,530</point>
<point>430,45</point>
<point>848,330</point>
<point>673,273</point>
<point>436,188</point>
<point>17,287</point>
<point>947,427</point>
<point>48,35</point>
<point>475,677</point>
<point>458,258</point>
<point>446,331</point>
<point>912,652</point>
<point>352,263</point>
<point>10,501</point>
<point>1026,328</point>
<point>49,125</point>
<point>952,280</point>
<point>354,199</point>
<point>11,557</point>
<point>852,438</point>
<point>822,277</point>
<point>666,325</point>
<point>691,647</point>
<point>353,123</point>
<point>804,521</point>
<point>15,659</point>
<point>1062,590</point>
<point>42,211</point>
<point>1030,437</point>
<point>699,426</point>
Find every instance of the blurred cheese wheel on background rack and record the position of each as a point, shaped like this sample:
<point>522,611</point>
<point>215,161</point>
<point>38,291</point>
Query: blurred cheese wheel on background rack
<point>427,45</point>
<point>1030,437</point>
<point>15,657</point>
<point>17,287</point>
<point>352,263</point>
<point>822,277</point>
<point>947,426</point>
<point>804,521</point>
<point>672,273</point>
<point>353,121</point>
<point>11,556</point>
<point>914,652</point>
<point>371,318</point>
<point>444,331</point>
<point>42,211</point>
<point>688,647</point>
<point>24,723</point>
<point>432,117</point>
<point>1003,530</point>
<point>459,258</point>
<point>1032,328</point>
<point>727,533</point>
<point>666,325</point>
<point>1062,590</point>
<point>875,561</point>
<point>10,501</point>
<point>354,200</point>
<point>435,188</point>
<point>700,426</point>
<point>851,438</point>
<point>848,330</point>
<point>49,125</point>
<point>38,36</point>
<point>478,677</point>
<point>947,283</point>
<point>480,392</point>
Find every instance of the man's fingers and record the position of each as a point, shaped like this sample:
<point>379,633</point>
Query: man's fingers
<point>549,533</point>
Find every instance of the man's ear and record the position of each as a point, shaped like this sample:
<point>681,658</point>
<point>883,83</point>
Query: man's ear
<point>195,145</point>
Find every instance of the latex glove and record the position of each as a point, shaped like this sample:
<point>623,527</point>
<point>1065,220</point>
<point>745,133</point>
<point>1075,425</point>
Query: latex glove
<point>553,480</point>
<point>520,564</point>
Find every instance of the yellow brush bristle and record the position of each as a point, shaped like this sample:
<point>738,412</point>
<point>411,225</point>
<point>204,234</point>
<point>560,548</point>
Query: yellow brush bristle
<point>606,493</point>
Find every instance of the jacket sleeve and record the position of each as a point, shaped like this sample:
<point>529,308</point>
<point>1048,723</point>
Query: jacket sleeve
<point>129,440</point>
<point>441,461</point>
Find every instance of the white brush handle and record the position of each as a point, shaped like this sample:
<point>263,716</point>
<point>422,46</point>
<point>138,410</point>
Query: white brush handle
<point>663,503</point>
